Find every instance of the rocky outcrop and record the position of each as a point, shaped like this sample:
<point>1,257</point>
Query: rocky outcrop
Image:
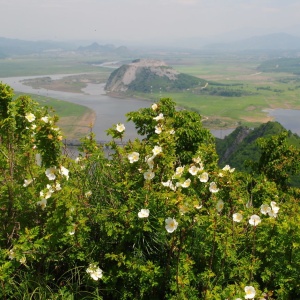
<point>145,74</point>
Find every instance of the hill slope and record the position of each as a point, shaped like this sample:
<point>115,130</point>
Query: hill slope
<point>240,145</point>
<point>149,75</point>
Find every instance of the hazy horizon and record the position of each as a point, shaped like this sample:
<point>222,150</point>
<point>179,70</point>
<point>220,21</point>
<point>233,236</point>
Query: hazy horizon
<point>147,21</point>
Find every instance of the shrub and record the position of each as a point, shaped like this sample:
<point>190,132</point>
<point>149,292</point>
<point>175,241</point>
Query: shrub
<point>154,219</point>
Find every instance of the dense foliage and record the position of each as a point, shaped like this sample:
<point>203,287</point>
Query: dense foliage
<point>156,218</point>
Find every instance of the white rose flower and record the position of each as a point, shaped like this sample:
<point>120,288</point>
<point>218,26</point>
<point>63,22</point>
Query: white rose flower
<point>94,271</point>
<point>149,175</point>
<point>198,206</point>
<point>38,159</point>
<point>169,184</point>
<point>50,173</point>
<point>237,217</point>
<point>88,194</point>
<point>179,171</point>
<point>57,186</point>
<point>154,106</point>
<point>64,171</point>
<point>143,213</point>
<point>133,157</point>
<point>27,182</point>
<point>171,224</point>
<point>158,129</point>
<point>254,220</point>
<point>226,168</point>
<point>275,207</point>
<point>30,117</point>
<point>159,117</point>
<point>250,292</point>
<point>150,162</point>
<point>42,203</point>
<point>203,177</point>
<point>220,205</point>
<point>186,184</point>
<point>23,260</point>
<point>213,187</point>
<point>193,170</point>
<point>45,119</point>
<point>265,209</point>
<point>156,150</point>
<point>12,254</point>
<point>120,127</point>
<point>197,160</point>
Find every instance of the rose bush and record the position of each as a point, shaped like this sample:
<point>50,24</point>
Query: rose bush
<point>155,218</point>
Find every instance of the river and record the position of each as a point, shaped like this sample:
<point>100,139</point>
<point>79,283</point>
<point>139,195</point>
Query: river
<point>110,110</point>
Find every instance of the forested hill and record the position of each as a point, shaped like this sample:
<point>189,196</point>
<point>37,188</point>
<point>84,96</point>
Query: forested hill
<point>240,145</point>
<point>144,75</point>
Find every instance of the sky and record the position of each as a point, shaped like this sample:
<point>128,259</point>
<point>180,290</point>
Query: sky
<point>143,20</point>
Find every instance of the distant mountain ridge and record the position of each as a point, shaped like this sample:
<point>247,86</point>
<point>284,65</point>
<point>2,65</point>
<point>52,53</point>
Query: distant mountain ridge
<point>12,47</point>
<point>9,47</point>
<point>109,48</point>
<point>272,42</point>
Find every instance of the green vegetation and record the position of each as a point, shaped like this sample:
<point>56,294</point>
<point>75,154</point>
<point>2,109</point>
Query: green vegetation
<point>146,80</point>
<point>156,219</point>
<point>287,65</point>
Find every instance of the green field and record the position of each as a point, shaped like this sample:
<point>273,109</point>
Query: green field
<point>26,66</point>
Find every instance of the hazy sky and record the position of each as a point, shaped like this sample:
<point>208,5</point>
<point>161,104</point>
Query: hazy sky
<point>141,20</point>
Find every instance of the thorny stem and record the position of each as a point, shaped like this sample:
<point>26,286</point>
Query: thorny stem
<point>253,253</point>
